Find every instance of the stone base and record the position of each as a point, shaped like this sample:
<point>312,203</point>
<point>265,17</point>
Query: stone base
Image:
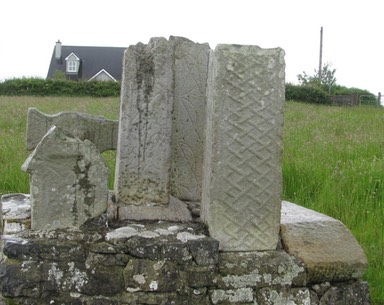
<point>178,263</point>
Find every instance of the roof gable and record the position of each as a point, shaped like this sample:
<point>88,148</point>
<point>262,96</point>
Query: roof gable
<point>102,75</point>
<point>72,56</point>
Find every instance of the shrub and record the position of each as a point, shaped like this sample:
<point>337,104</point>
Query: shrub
<point>58,87</point>
<point>307,94</point>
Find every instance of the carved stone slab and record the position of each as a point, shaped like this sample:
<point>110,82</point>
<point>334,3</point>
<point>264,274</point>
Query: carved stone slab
<point>68,181</point>
<point>99,130</point>
<point>144,143</point>
<point>189,118</point>
<point>242,188</point>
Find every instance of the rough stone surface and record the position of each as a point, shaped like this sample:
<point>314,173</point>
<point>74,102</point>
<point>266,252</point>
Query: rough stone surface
<point>293,296</point>
<point>68,181</point>
<point>356,293</point>
<point>16,213</point>
<point>99,130</point>
<point>242,188</point>
<point>327,248</point>
<point>145,125</point>
<point>236,296</point>
<point>175,210</point>
<point>259,269</point>
<point>165,263</point>
<point>189,118</point>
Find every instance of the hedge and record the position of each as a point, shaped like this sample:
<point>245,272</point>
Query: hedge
<point>50,87</point>
<point>306,94</point>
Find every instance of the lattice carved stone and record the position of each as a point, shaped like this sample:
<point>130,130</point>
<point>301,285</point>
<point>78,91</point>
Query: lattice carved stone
<point>242,171</point>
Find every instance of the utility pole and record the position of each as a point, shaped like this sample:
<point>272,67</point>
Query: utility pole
<point>321,52</point>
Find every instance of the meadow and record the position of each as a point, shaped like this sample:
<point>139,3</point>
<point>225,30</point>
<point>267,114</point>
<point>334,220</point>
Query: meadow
<point>333,162</point>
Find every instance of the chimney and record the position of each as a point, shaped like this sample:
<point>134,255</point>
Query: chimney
<point>58,51</point>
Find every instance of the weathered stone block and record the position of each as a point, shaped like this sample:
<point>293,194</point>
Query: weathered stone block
<point>145,125</point>
<point>68,181</point>
<point>205,251</point>
<point>200,276</point>
<point>242,186</point>
<point>44,249</point>
<point>103,280</point>
<point>148,275</point>
<point>292,296</point>
<point>236,296</point>
<point>16,213</point>
<point>64,277</point>
<point>189,118</point>
<point>20,279</point>
<point>178,252</point>
<point>259,269</point>
<point>354,294</point>
<point>175,210</point>
<point>327,248</point>
<point>99,130</point>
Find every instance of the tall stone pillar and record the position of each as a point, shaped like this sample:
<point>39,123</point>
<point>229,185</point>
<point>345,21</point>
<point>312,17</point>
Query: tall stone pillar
<point>161,129</point>
<point>145,125</point>
<point>241,199</point>
<point>189,118</point>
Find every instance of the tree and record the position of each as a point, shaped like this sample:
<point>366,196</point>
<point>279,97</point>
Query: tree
<point>324,80</point>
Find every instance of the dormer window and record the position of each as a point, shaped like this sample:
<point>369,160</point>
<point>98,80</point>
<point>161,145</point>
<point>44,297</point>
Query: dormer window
<point>72,66</point>
<point>72,63</point>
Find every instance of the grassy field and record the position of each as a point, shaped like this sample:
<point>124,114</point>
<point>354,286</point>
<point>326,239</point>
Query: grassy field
<point>333,162</point>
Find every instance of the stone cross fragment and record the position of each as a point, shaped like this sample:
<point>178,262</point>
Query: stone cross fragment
<point>99,130</point>
<point>68,181</point>
<point>161,128</point>
<point>242,186</point>
<point>145,126</point>
<point>189,118</point>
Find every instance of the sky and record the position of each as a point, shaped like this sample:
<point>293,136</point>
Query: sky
<point>353,36</point>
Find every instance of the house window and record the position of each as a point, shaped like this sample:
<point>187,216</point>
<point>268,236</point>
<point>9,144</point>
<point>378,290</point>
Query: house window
<point>72,66</point>
<point>72,63</point>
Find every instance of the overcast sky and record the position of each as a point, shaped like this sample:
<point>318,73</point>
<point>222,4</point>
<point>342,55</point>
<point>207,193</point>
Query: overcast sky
<point>353,40</point>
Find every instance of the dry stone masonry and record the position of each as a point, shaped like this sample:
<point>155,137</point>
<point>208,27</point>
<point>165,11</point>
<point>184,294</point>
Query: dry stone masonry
<point>196,215</point>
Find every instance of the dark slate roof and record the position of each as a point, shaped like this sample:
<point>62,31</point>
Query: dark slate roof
<point>93,59</point>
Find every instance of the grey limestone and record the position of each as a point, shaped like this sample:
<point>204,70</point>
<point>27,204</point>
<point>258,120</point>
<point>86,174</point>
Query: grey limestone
<point>145,124</point>
<point>16,212</point>
<point>242,186</point>
<point>292,296</point>
<point>189,118</point>
<point>327,248</point>
<point>68,181</point>
<point>99,130</point>
<point>162,126</point>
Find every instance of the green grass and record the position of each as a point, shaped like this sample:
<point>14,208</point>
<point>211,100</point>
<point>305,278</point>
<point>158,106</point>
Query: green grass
<point>333,162</point>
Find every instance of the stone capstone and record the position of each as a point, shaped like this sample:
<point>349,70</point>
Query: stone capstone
<point>325,246</point>
<point>68,181</point>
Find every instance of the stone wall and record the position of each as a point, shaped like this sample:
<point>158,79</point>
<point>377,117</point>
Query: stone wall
<point>141,263</point>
